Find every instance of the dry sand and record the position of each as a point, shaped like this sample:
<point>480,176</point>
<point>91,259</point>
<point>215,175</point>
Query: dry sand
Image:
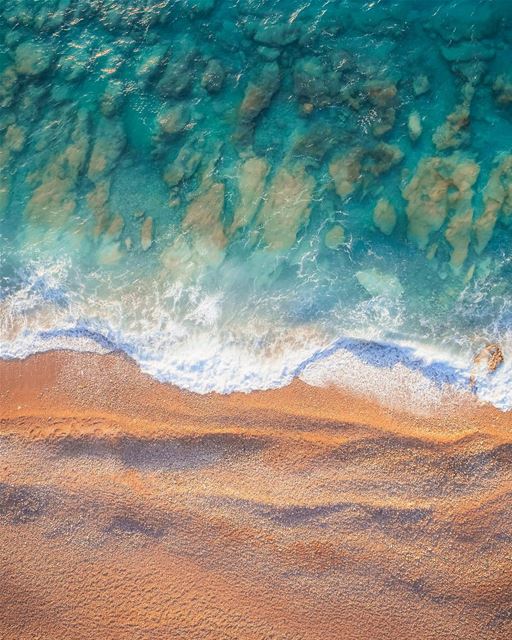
<point>131,509</point>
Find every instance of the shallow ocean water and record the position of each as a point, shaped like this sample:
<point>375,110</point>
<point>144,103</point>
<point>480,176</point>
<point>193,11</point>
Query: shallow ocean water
<point>231,192</point>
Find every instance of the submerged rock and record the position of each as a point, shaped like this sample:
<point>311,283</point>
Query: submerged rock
<point>502,88</point>
<point>32,59</point>
<point>361,166</point>
<point>321,84</point>
<point>468,51</point>
<point>202,240</point>
<point>174,120</point>
<point>378,283</point>
<point>442,187</point>
<point>54,197</point>
<point>286,207</point>
<point>421,85</point>
<point>115,228</point>
<point>108,146</point>
<point>345,170</point>
<point>112,99</point>
<point>184,165</point>
<point>257,98</point>
<point>497,199</point>
<point>384,216</point>
<point>277,35</point>
<point>97,199</point>
<point>151,61</point>
<point>454,132</point>
<point>458,235</point>
<point>146,234</point>
<point>74,66</point>
<point>15,137</point>
<point>251,185</point>
<point>177,77</point>
<point>335,237</point>
<point>414,126</point>
<point>213,77</point>
<point>203,215</point>
<point>8,83</point>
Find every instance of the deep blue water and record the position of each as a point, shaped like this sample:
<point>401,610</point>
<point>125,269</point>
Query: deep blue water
<point>230,190</point>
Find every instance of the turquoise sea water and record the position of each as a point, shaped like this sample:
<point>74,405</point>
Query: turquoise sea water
<point>231,190</point>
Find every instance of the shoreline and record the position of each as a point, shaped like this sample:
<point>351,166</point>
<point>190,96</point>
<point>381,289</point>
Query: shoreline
<point>48,375</point>
<point>301,512</point>
<point>332,361</point>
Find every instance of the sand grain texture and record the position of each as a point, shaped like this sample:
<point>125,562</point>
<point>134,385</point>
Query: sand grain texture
<point>130,509</point>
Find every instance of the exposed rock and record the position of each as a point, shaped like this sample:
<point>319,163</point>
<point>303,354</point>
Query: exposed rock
<point>486,361</point>
<point>384,216</point>
<point>492,355</point>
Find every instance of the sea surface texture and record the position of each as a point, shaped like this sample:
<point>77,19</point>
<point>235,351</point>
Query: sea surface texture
<point>231,192</point>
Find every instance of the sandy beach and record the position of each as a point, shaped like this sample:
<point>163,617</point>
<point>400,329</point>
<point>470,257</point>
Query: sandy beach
<point>131,509</point>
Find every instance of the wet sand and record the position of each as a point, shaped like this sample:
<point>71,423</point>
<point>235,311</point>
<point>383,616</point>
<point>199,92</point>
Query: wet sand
<point>131,509</point>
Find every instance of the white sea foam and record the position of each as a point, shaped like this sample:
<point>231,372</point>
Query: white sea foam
<point>395,376</point>
<point>194,353</point>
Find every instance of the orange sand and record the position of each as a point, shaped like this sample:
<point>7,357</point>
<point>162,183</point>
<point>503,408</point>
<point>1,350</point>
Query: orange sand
<point>130,509</point>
